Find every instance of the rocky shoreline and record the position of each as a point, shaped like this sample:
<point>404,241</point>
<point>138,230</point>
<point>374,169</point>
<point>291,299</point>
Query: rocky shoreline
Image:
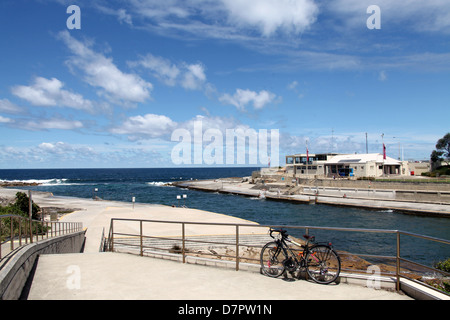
<point>11,184</point>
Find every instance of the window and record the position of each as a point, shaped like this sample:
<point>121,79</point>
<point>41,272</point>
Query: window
<point>289,160</point>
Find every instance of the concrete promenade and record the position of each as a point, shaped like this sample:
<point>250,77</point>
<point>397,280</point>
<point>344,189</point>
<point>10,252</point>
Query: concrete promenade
<point>94,275</point>
<point>126,276</point>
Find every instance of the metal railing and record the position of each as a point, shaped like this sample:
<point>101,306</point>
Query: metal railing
<point>19,231</point>
<point>115,238</point>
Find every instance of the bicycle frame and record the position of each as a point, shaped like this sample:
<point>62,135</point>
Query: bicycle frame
<point>288,252</point>
<point>317,258</point>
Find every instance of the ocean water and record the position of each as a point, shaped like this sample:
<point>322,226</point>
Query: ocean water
<point>148,186</point>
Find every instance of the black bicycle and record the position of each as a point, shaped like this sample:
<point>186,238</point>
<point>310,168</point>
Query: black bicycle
<point>321,262</point>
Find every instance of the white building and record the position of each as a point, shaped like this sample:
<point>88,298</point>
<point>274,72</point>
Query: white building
<point>344,165</point>
<point>364,165</point>
<point>311,165</point>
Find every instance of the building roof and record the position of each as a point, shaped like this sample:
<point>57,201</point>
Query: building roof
<point>362,158</point>
<point>311,154</point>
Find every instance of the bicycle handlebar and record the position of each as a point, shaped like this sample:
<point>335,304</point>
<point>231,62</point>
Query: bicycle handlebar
<point>285,235</point>
<point>281,231</point>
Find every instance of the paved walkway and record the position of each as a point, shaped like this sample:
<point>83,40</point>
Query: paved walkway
<point>125,276</point>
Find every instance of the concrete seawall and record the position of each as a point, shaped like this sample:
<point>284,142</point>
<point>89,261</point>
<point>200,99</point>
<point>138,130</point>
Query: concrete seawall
<point>352,197</point>
<point>15,269</point>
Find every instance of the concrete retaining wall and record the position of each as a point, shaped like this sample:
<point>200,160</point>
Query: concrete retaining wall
<point>385,185</point>
<point>15,272</point>
<point>441,197</point>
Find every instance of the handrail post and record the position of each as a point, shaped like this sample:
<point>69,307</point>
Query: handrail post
<point>20,231</point>
<point>112,235</point>
<point>26,230</point>
<point>397,269</point>
<point>183,250</point>
<point>237,247</point>
<point>11,235</point>
<point>1,233</point>
<point>140,237</point>
<point>30,214</point>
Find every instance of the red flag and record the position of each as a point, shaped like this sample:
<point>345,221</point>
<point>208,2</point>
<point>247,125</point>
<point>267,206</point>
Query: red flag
<point>384,152</point>
<point>307,155</point>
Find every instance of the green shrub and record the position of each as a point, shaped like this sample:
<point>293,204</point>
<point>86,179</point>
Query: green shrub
<point>443,265</point>
<point>19,208</point>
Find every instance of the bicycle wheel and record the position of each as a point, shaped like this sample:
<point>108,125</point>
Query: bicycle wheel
<point>272,260</point>
<point>323,264</point>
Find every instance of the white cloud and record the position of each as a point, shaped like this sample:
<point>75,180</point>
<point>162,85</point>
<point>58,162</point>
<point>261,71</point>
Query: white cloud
<point>212,122</point>
<point>270,16</point>
<point>244,97</point>
<point>100,71</point>
<point>418,15</point>
<point>47,124</point>
<point>194,77</point>
<point>5,120</point>
<point>58,147</point>
<point>50,92</point>
<point>159,126</point>
<point>144,127</point>
<point>121,14</point>
<point>189,76</point>
<point>7,106</point>
<point>225,19</point>
<point>63,152</point>
<point>160,67</point>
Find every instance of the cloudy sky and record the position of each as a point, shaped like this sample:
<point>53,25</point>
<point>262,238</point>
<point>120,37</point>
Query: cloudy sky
<point>111,93</point>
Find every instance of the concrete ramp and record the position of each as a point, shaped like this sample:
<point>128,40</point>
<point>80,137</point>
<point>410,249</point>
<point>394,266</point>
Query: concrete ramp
<point>125,276</point>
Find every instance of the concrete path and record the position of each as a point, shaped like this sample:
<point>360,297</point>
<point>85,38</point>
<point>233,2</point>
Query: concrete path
<point>124,276</point>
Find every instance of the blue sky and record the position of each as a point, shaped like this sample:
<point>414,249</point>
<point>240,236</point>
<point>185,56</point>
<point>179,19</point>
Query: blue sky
<point>112,93</point>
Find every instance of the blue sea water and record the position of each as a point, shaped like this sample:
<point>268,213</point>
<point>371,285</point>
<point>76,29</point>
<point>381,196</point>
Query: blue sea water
<point>147,186</point>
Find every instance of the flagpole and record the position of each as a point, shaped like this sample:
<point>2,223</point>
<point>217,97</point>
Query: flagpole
<point>307,159</point>
<point>384,150</point>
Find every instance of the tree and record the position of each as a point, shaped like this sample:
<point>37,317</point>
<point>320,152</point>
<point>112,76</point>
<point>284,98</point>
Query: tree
<point>23,204</point>
<point>442,152</point>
